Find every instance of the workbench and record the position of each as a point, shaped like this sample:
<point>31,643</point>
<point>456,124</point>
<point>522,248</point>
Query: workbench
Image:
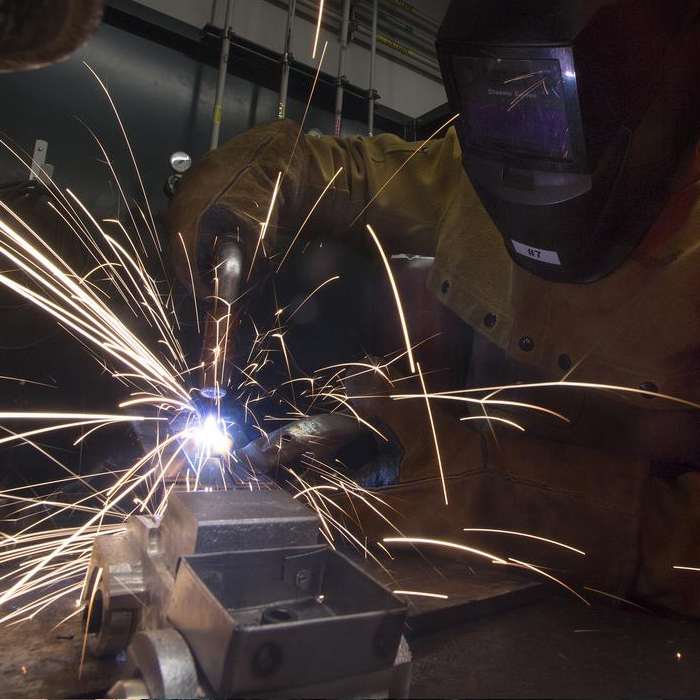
<point>498,636</point>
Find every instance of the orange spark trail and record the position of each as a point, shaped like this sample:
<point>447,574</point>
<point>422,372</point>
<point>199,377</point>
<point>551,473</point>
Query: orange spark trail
<point>525,93</point>
<point>87,621</point>
<point>314,488</point>
<point>618,598</point>
<point>550,577</point>
<point>440,596</point>
<point>397,298</point>
<point>306,111</point>
<point>435,437</point>
<point>28,381</point>
<point>443,543</point>
<point>576,385</point>
<point>489,418</point>
<point>308,216</point>
<point>47,415</point>
<point>384,549</point>
<point>152,225</point>
<point>449,396</point>
<point>263,229</point>
<point>318,289</point>
<point>318,27</point>
<point>368,368</point>
<point>194,291</point>
<point>524,534</point>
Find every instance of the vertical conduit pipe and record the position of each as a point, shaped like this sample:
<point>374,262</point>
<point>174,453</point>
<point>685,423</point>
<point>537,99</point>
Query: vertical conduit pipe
<point>342,78</point>
<point>287,59</point>
<point>223,71</point>
<point>372,95</point>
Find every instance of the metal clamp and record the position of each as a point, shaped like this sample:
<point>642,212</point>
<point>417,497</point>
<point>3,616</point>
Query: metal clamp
<point>159,662</point>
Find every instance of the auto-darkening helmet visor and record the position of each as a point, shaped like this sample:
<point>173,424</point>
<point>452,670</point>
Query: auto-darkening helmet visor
<point>573,119</point>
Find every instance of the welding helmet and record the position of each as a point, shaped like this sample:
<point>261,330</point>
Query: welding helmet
<point>36,33</point>
<point>574,116</point>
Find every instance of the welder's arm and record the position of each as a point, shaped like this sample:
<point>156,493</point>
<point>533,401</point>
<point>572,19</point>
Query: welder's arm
<point>228,194</point>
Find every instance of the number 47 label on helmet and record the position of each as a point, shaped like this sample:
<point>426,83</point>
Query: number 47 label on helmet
<point>551,257</point>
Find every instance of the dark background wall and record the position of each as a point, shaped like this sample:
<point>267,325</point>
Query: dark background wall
<point>165,97</point>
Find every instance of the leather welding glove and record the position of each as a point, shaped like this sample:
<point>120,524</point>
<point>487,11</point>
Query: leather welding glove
<point>257,191</point>
<point>228,193</point>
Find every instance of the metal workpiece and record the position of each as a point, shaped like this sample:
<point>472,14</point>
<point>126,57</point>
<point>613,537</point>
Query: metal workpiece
<point>272,620</point>
<point>392,682</point>
<point>229,594</point>
<point>117,569</point>
<point>323,435</point>
<point>224,521</point>
<point>134,585</point>
<point>136,569</point>
<point>157,570</point>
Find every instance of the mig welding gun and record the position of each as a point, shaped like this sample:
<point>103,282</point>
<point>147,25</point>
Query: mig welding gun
<point>217,345</point>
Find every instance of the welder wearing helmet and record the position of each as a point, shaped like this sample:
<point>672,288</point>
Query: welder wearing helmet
<point>563,213</point>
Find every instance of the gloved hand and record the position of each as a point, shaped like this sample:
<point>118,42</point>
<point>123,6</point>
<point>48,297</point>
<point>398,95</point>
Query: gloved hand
<point>223,223</point>
<point>230,190</point>
<point>403,469</point>
<point>227,196</point>
<point>323,436</point>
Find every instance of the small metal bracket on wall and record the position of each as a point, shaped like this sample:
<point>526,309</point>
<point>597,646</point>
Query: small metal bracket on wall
<point>40,169</point>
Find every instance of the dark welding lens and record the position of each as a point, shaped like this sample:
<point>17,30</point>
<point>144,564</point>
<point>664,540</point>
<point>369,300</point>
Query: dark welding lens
<point>514,105</point>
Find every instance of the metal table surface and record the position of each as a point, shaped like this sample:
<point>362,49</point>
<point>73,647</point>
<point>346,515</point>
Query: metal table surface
<point>38,660</point>
<point>552,648</point>
<point>559,648</point>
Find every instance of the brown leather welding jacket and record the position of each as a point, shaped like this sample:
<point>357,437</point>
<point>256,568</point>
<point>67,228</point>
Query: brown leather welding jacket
<point>639,326</point>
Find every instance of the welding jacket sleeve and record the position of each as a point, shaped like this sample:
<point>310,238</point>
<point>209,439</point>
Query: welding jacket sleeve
<point>229,192</point>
